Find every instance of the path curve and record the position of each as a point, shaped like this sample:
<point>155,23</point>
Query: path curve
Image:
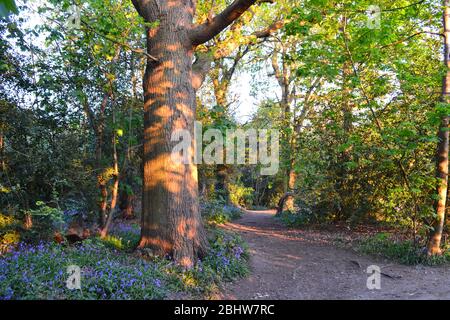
<point>305,264</point>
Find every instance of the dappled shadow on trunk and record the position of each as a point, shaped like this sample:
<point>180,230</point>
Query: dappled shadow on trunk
<point>171,222</point>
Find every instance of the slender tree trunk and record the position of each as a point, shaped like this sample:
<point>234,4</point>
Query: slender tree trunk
<point>221,172</point>
<point>171,222</point>
<point>101,181</point>
<point>434,244</point>
<point>98,128</point>
<point>282,75</point>
<point>2,153</point>
<point>292,178</point>
<point>127,196</point>
<point>342,180</point>
<point>115,189</point>
<point>221,87</point>
<point>28,221</point>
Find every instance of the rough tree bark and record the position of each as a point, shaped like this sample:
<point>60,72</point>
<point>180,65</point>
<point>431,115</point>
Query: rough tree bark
<point>434,244</point>
<point>171,222</point>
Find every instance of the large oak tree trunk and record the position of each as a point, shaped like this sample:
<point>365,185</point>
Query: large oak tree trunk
<point>171,222</point>
<point>443,147</point>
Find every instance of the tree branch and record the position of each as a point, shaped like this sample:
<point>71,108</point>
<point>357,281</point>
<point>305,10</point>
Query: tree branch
<point>118,42</point>
<point>200,68</point>
<point>208,30</point>
<point>270,30</point>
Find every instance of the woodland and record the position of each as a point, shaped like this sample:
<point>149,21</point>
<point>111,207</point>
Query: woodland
<point>91,92</point>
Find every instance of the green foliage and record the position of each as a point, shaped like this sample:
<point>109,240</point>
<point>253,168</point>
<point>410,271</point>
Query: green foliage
<point>366,148</point>
<point>46,221</point>
<point>113,242</point>
<point>8,233</point>
<point>7,7</point>
<point>406,252</point>
<point>50,142</point>
<point>217,212</point>
<point>124,236</point>
<point>52,216</point>
<point>39,272</point>
<point>227,260</point>
<point>299,218</point>
<point>240,195</point>
<point>228,251</point>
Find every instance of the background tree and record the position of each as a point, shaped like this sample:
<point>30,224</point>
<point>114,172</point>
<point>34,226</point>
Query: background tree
<point>434,245</point>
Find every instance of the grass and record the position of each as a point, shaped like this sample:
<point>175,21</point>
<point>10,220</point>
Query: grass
<point>110,271</point>
<point>402,251</point>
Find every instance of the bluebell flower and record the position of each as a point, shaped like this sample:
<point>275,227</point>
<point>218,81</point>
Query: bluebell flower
<point>157,283</point>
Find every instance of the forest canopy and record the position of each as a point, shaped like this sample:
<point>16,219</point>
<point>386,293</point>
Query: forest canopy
<point>92,91</point>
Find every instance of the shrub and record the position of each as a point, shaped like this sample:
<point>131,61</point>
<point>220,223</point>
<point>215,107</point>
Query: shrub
<point>46,221</point>
<point>240,195</point>
<point>216,212</point>
<point>226,260</point>
<point>303,216</point>
<point>8,234</point>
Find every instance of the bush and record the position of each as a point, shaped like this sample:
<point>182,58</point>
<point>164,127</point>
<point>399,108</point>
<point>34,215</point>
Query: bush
<point>227,260</point>
<point>216,212</point>
<point>46,221</point>
<point>8,234</point>
<point>240,195</point>
<point>405,252</point>
<point>302,217</point>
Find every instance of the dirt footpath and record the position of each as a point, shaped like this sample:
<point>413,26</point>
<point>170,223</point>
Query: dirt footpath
<point>305,264</point>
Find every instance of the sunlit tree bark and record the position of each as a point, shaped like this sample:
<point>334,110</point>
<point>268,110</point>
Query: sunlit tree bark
<point>171,222</point>
<point>434,243</point>
<point>115,188</point>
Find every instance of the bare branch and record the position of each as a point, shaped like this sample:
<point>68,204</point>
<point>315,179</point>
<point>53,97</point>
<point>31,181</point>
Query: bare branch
<point>200,68</point>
